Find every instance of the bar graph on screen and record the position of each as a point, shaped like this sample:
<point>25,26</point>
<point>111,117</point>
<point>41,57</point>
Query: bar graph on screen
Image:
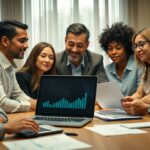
<point>79,103</point>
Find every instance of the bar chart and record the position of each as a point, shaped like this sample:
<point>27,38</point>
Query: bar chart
<point>79,103</point>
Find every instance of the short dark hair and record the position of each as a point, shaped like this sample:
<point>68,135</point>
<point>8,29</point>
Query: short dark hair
<point>77,29</point>
<point>119,33</point>
<point>8,28</point>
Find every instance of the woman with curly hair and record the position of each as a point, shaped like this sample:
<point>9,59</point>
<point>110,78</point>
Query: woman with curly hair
<point>116,41</point>
<point>41,61</point>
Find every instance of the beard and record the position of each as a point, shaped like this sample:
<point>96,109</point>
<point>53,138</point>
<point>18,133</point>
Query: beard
<point>74,57</point>
<point>20,54</point>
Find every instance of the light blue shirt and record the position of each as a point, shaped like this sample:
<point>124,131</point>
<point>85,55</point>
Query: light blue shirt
<point>76,71</point>
<point>131,77</point>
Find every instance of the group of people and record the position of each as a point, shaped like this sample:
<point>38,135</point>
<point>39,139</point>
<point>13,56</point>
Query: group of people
<point>130,67</point>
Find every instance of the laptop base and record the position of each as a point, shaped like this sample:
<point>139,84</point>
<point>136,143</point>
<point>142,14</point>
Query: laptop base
<point>61,123</point>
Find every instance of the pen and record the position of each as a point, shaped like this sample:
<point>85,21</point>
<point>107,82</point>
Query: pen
<point>71,133</point>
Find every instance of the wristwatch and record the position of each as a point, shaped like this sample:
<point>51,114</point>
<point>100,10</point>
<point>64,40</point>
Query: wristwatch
<point>148,109</point>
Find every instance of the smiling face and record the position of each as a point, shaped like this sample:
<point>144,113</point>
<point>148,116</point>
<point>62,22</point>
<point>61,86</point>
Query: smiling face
<point>17,46</point>
<point>45,60</point>
<point>76,45</point>
<point>117,52</point>
<point>142,50</point>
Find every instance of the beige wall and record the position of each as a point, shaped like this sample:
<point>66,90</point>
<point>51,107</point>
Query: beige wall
<point>11,9</point>
<point>139,13</point>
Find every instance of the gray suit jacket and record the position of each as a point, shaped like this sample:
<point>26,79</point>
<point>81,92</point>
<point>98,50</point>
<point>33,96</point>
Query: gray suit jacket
<point>93,65</point>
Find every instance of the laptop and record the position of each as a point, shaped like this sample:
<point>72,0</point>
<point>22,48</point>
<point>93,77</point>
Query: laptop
<point>66,100</point>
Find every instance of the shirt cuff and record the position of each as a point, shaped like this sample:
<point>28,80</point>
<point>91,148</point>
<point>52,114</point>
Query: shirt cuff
<point>23,106</point>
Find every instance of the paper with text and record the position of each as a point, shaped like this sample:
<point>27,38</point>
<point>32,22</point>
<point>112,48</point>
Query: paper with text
<point>55,142</point>
<point>114,129</point>
<point>137,125</point>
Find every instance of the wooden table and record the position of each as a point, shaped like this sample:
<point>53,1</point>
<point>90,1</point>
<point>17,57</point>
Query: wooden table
<point>99,142</point>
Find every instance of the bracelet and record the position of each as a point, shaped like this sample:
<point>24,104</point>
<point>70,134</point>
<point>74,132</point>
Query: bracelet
<point>2,131</point>
<point>3,114</point>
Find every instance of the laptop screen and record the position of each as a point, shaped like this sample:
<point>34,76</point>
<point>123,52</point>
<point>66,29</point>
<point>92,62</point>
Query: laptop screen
<point>66,96</point>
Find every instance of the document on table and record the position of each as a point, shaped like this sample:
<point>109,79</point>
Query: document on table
<point>114,129</point>
<point>137,125</point>
<point>54,142</point>
<point>114,114</point>
<point>109,95</point>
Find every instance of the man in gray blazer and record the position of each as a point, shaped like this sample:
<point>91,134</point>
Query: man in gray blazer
<point>76,59</point>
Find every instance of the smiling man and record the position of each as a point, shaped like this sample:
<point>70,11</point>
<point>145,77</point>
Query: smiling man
<point>13,44</point>
<point>77,59</point>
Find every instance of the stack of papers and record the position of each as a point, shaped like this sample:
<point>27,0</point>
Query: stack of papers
<point>114,114</point>
<point>114,129</point>
<point>55,142</point>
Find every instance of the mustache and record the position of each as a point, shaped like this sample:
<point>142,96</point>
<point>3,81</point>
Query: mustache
<point>22,49</point>
<point>70,52</point>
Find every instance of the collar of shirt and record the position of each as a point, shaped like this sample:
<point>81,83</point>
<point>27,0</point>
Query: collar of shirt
<point>5,62</point>
<point>70,63</point>
<point>77,71</point>
<point>130,65</point>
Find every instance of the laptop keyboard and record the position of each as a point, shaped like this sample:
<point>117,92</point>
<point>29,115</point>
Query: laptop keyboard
<point>65,119</point>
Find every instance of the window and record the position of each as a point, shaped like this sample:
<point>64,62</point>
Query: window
<point>49,19</point>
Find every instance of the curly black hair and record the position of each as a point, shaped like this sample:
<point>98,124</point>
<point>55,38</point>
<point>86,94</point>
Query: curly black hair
<point>119,33</point>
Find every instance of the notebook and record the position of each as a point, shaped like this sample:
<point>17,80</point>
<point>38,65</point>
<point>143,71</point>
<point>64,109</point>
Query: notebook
<point>66,100</point>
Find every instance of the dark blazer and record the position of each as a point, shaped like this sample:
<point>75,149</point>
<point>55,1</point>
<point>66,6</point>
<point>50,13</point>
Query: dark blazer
<point>93,65</point>
<point>24,81</point>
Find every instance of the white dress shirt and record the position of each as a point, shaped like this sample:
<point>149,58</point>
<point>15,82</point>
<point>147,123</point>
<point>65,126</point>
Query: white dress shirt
<point>12,98</point>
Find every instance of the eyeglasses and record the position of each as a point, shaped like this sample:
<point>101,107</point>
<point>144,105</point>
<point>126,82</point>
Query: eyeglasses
<point>139,45</point>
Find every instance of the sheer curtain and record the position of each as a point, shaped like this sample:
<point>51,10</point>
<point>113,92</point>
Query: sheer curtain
<point>49,19</point>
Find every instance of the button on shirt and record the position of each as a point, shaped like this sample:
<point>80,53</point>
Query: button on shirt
<point>131,77</point>
<point>76,71</point>
<point>12,98</point>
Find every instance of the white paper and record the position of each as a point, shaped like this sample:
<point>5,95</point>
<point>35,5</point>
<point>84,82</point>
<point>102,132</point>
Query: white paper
<point>114,114</point>
<point>137,125</point>
<point>114,129</point>
<point>109,95</point>
<point>55,142</point>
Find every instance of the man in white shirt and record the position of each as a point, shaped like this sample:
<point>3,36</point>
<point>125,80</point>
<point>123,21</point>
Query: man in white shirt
<point>13,44</point>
